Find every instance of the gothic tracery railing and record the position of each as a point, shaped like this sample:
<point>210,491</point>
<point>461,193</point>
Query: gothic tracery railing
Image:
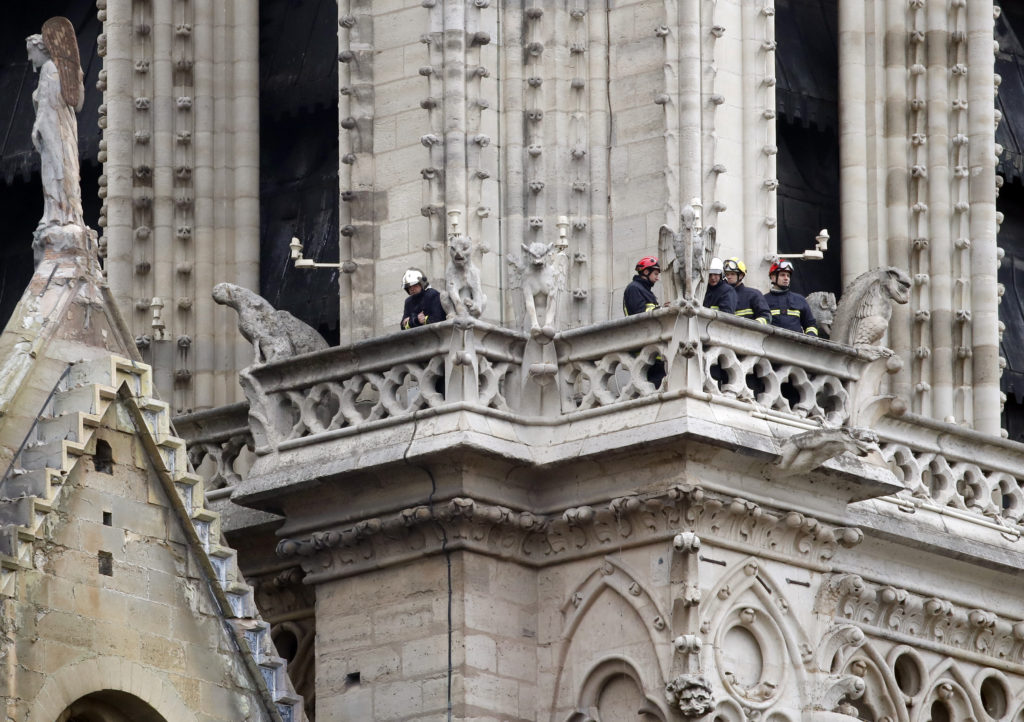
<point>792,380</point>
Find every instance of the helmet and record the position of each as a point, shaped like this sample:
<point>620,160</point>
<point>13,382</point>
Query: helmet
<point>412,277</point>
<point>716,266</point>
<point>647,263</point>
<point>781,265</point>
<point>736,265</point>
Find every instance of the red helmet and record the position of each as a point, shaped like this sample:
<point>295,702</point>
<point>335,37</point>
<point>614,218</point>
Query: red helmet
<point>781,265</point>
<point>647,263</point>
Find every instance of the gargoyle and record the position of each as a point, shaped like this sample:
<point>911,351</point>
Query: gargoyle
<point>463,295</point>
<point>539,276</point>
<point>274,334</point>
<point>866,306</point>
<point>823,306</point>
<point>803,452</point>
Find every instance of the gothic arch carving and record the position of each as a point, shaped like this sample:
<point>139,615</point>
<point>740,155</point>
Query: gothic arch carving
<point>949,687</point>
<point>882,696</point>
<point>613,577</point>
<point>589,699</point>
<point>81,679</point>
<point>748,601</point>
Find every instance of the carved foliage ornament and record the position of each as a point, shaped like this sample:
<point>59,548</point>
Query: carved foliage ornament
<point>939,621</point>
<point>578,531</point>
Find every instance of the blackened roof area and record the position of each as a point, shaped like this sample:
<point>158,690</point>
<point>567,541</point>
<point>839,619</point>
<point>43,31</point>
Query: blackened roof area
<point>807,62</point>
<point>18,80</point>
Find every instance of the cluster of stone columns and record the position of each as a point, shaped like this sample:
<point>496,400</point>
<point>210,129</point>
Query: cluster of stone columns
<point>181,182</point>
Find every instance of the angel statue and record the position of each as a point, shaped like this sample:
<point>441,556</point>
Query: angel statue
<point>59,95</point>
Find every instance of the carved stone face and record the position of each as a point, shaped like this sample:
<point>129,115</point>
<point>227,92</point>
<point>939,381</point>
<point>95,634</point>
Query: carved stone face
<point>898,287</point>
<point>691,695</point>
<point>536,253</point>
<point>459,249</point>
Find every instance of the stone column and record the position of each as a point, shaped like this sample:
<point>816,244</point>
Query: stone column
<point>984,299</point>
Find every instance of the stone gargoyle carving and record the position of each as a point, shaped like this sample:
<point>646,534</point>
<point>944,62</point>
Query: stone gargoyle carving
<point>823,306</point>
<point>463,295</point>
<point>274,335</point>
<point>866,306</point>
<point>693,243</point>
<point>691,694</point>
<point>541,278</point>
<point>803,452</point>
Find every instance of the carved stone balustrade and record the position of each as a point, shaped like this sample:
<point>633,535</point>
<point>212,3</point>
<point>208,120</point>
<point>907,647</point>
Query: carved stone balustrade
<point>216,439</point>
<point>727,382</point>
<point>959,474</point>
<point>722,379</point>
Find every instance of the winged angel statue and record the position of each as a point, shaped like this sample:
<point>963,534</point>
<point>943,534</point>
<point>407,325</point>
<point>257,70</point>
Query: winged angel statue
<point>59,95</point>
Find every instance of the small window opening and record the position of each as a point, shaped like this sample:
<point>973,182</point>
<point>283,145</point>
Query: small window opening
<point>103,459</point>
<point>352,677</point>
<point>106,560</point>
<point>108,519</point>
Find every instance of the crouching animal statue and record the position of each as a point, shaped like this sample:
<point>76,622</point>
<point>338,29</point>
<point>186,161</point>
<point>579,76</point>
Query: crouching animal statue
<point>540,277</point>
<point>462,295</point>
<point>274,334</point>
<point>866,306</point>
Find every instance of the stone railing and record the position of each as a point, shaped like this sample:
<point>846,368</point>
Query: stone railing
<point>381,380</point>
<point>793,379</point>
<point>217,440</point>
<point>955,469</point>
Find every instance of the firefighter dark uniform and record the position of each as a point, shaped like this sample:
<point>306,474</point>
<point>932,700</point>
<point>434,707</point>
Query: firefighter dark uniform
<point>791,311</point>
<point>721,297</point>
<point>750,304</point>
<point>429,302</point>
<point>639,296</point>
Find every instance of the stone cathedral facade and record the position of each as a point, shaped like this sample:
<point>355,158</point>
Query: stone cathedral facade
<point>500,518</point>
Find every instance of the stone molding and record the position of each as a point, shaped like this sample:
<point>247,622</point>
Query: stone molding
<point>886,611</point>
<point>538,540</point>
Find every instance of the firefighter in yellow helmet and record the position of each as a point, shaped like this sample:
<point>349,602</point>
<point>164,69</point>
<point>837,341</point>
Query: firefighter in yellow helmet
<point>750,302</point>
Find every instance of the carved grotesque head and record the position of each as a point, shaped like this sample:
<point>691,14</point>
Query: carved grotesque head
<point>897,285</point>
<point>691,694</point>
<point>459,248</point>
<point>224,293</point>
<point>536,253</point>
<point>823,306</point>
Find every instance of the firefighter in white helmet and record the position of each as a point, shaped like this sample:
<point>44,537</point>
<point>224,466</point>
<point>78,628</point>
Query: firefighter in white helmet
<point>423,305</point>
<point>720,296</point>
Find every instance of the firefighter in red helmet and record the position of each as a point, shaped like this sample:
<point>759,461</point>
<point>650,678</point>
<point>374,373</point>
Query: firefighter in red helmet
<point>789,309</point>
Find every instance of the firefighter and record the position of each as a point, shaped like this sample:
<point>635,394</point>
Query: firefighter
<point>638,298</point>
<point>750,303</point>
<point>423,304</point>
<point>789,309</point>
<point>639,294</point>
<point>720,296</point>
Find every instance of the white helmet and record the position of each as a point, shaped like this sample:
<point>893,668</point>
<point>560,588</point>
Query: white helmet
<point>412,277</point>
<point>716,266</point>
